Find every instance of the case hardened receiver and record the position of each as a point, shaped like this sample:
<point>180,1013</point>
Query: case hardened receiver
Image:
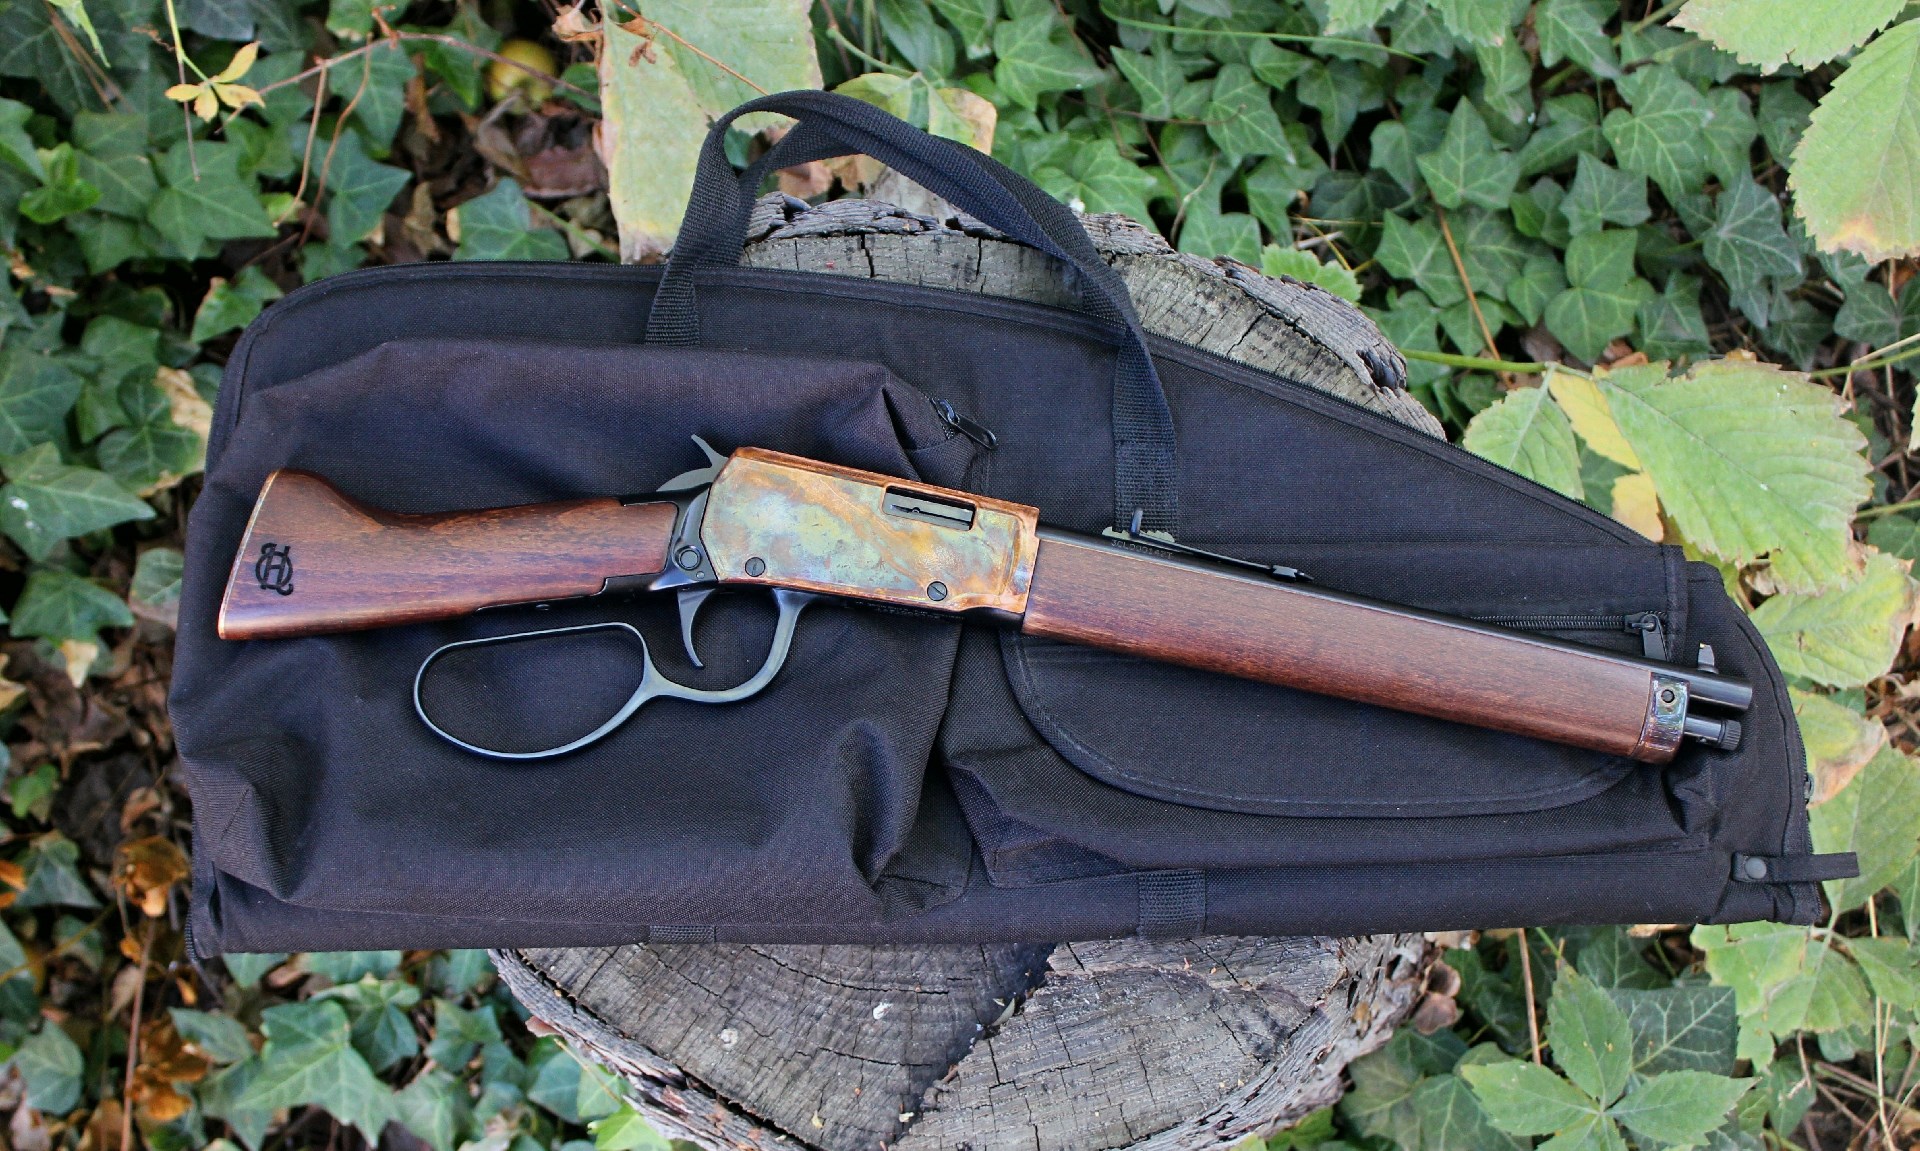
<point>806,529</point>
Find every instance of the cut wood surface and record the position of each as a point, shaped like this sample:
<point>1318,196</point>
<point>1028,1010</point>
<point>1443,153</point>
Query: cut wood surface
<point>1151,1044</point>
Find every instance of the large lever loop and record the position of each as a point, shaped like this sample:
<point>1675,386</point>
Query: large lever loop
<point>653,685</point>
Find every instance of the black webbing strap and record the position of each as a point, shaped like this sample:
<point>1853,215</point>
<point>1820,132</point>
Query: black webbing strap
<point>680,933</point>
<point>1145,471</point>
<point>1173,904</point>
<point>1795,868</point>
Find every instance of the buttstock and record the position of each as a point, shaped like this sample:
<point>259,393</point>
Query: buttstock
<point>315,560</point>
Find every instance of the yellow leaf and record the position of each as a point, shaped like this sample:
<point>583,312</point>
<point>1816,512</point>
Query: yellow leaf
<point>206,105</point>
<point>242,61</point>
<point>184,93</point>
<point>78,655</point>
<point>237,96</point>
<point>1586,406</point>
<point>1839,741</point>
<point>1636,505</point>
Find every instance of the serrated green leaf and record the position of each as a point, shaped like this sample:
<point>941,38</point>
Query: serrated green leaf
<point>1769,33</point>
<point>1892,969</point>
<point>1476,21</point>
<point>309,1059</point>
<point>1854,171</point>
<point>221,1038</point>
<point>1847,635</point>
<point>1679,1108</point>
<point>1877,817</point>
<point>1307,268</point>
<point>1528,1099</point>
<point>1468,167</point>
<point>1686,1027</point>
<point>51,1066</point>
<point>1037,55</point>
<point>652,110</point>
<point>499,226</point>
<point>1663,138</point>
<point>1526,432</point>
<point>1602,195</point>
<point>731,53</point>
<point>1587,1030</point>
<point>1785,979</point>
<point>625,1130</point>
<point>1748,460</point>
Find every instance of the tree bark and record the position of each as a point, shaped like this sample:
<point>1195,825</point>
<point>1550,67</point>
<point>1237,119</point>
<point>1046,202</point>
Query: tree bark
<point>1149,1044</point>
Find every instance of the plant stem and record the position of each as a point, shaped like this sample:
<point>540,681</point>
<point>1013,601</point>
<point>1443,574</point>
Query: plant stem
<point>1289,37</point>
<point>1482,364</point>
<point>839,38</point>
<point>1886,510</point>
<point>1866,365</point>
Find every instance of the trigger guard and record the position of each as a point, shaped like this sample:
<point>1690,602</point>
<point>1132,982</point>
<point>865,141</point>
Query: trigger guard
<point>653,685</point>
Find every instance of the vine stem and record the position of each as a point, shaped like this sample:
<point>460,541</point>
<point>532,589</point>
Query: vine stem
<point>1289,37</point>
<point>1483,364</point>
<point>430,37</point>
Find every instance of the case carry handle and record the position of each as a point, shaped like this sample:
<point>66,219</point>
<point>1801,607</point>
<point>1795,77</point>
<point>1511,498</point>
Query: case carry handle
<point>1146,475</point>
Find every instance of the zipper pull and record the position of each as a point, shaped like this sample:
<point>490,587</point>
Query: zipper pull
<point>977,432</point>
<point>1653,633</point>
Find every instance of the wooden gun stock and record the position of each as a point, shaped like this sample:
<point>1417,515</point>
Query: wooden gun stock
<point>315,560</point>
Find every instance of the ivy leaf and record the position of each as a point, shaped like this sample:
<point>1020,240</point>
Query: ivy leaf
<point>1308,269</point>
<point>499,226</point>
<point>36,393</point>
<point>1571,30</point>
<point>1769,33</point>
<point>1526,432</point>
<point>1602,195</point>
<point>63,192</point>
<point>1854,171</point>
<point>220,1038</point>
<point>1476,21</point>
<point>1783,116</point>
<point>1381,1102</point>
<point>1037,55</point>
<point>1748,460</point>
<point>51,1066</point>
<point>1663,137</point>
<point>309,1059</point>
<point>16,146</point>
<point>1345,16</point>
<point>1414,250</point>
<point>1097,178</point>
<point>433,1107</point>
<point>381,1030</point>
<point>911,28</point>
<point>377,82</point>
<point>1340,91</point>
<point>1679,1108</point>
<point>1240,117</point>
<point>1468,165</point>
<point>1158,78</point>
<point>1451,1119</point>
<point>625,1130</point>
<point>1877,817</point>
<point>228,306</point>
<point>1730,136</point>
<point>46,501</point>
<point>1586,319</point>
<point>216,204</point>
<point>1686,1027</point>
<point>1490,250</point>
<point>553,1080</point>
<point>1588,1031</point>
<point>52,860</point>
<point>1747,242</point>
<point>1847,635</point>
<point>1671,324</point>
<point>58,605</point>
<point>1528,1099</point>
<point>359,191</point>
<point>1569,126</point>
<point>458,1033</point>
<point>1541,279</point>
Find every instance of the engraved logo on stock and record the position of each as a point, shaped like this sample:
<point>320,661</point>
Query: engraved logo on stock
<point>274,568</point>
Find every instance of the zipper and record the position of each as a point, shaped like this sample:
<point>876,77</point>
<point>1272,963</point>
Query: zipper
<point>1651,626</point>
<point>978,432</point>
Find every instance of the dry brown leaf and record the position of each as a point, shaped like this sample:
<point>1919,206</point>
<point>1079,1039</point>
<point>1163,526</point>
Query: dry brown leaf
<point>29,1130</point>
<point>121,991</point>
<point>102,1132</point>
<point>146,870</point>
<point>78,655</point>
<point>572,26</point>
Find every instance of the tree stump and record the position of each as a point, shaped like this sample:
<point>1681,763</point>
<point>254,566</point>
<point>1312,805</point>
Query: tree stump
<point>1147,1044</point>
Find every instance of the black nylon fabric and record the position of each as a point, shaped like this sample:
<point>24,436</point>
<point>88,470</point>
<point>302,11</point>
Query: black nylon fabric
<point>905,778</point>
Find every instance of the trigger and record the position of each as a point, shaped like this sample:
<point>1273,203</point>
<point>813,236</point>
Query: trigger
<point>689,603</point>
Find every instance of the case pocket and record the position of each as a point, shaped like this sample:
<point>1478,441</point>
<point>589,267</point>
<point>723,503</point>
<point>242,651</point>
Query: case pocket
<point>804,803</point>
<point>1149,765</point>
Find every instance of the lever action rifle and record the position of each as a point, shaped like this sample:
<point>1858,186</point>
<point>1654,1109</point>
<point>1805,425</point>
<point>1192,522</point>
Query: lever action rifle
<point>315,561</point>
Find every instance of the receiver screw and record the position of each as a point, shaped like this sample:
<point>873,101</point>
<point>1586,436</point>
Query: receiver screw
<point>688,558</point>
<point>756,566</point>
<point>936,591</point>
<point>1667,696</point>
